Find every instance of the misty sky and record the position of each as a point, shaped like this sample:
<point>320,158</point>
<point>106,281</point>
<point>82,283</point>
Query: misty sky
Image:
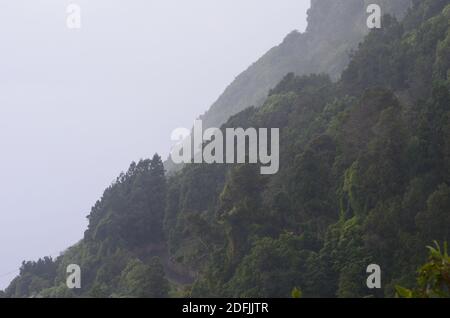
<point>77,106</point>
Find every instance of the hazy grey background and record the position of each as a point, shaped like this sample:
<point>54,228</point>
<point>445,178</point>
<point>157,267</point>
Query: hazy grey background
<point>77,106</point>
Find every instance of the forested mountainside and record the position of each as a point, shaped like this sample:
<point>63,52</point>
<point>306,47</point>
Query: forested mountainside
<point>335,27</point>
<point>364,179</point>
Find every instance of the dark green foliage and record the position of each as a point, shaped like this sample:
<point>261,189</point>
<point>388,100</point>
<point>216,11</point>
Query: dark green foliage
<point>144,281</point>
<point>33,277</point>
<point>363,174</point>
<point>433,222</point>
<point>272,268</point>
<point>127,223</point>
<point>131,211</point>
<point>364,178</point>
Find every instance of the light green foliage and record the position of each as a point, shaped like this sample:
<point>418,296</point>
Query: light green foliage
<point>296,293</point>
<point>434,277</point>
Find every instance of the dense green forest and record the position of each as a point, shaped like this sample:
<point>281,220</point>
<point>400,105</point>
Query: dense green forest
<point>364,178</point>
<point>335,27</point>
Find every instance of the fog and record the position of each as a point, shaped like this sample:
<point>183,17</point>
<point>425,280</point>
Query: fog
<point>77,106</point>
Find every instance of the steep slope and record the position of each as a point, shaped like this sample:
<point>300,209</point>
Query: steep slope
<point>364,178</point>
<point>335,27</point>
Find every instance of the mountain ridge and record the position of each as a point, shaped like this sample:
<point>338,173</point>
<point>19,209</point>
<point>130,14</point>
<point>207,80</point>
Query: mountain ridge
<point>318,54</point>
<point>364,179</point>
<point>320,49</point>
